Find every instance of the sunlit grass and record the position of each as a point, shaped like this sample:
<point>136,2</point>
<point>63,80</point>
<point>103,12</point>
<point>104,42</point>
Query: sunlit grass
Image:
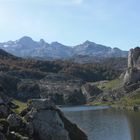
<point>21,106</point>
<point>109,85</point>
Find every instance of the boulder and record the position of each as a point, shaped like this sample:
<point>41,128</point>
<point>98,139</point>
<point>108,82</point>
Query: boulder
<point>91,92</point>
<point>18,125</point>
<point>14,120</point>
<point>49,122</point>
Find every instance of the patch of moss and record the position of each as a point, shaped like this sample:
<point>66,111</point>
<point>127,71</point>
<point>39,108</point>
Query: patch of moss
<point>21,106</point>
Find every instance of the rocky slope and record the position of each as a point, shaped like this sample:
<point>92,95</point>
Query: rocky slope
<point>61,81</point>
<point>40,120</point>
<point>26,47</point>
<point>125,91</point>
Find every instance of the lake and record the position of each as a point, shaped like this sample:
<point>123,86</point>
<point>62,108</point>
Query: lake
<point>104,123</point>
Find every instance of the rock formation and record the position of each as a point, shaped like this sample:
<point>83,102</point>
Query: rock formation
<point>91,92</point>
<point>62,89</point>
<point>41,120</point>
<point>132,74</point>
<point>49,122</point>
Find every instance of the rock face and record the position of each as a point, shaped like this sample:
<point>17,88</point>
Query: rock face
<point>28,90</point>
<point>132,74</point>
<point>41,120</point>
<point>49,122</point>
<point>91,92</point>
<point>62,89</point>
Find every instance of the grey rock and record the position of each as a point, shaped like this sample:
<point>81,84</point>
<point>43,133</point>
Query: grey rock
<point>46,122</point>
<point>40,104</point>
<point>27,90</point>
<point>62,89</point>
<point>29,128</point>
<point>49,125</point>
<point>91,92</point>
<point>14,120</point>
<point>49,122</point>
<point>132,74</point>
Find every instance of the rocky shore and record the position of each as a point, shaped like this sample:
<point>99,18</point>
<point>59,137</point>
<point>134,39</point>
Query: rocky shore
<point>41,120</point>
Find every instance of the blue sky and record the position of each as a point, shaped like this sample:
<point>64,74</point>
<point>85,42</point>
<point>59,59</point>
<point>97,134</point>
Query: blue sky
<point>114,23</point>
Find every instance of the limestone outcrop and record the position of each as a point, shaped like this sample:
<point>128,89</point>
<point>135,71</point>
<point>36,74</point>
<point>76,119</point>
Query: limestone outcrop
<point>49,122</point>
<point>41,120</point>
<point>132,74</point>
<point>62,89</point>
<point>91,92</point>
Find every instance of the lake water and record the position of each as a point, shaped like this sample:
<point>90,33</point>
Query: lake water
<point>103,123</point>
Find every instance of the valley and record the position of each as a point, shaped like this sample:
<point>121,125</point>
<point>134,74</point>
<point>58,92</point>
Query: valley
<point>29,85</point>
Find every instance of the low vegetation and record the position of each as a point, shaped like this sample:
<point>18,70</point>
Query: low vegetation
<point>132,100</point>
<point>21,106</point>
<point>36,68</point>
<point>109,85</point>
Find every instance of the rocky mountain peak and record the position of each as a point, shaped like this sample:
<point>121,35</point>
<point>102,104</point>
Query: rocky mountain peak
<point>43,43</point>
<point>56,44</point>
<point>27,42</point>
<point>25,39</point>
<point>88,42</point>
<point>27,47</point>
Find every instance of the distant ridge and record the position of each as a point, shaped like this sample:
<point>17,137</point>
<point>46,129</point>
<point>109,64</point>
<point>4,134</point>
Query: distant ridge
<point>4,54</point>
<point>27,47</point>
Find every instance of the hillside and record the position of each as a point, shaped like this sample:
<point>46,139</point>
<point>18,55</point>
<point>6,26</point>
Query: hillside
<point>123,92</point>
<point>60,80</point>
<point>67,82</point>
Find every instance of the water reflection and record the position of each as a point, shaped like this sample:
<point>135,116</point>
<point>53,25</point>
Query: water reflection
<point>134,124</point>
<point>107,124</point>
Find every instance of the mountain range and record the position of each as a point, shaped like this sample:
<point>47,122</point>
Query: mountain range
<point>27,47</point>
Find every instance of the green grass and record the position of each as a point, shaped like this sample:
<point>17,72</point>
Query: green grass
<point>100,103</point>
<point>106,86</point>
<point>22,106</point>
<point>109,85</point>
<point>132,99</point>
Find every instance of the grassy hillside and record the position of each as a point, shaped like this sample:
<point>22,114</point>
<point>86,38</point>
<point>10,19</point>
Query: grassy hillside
<point>131,100</point>
<point>109,85</point>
